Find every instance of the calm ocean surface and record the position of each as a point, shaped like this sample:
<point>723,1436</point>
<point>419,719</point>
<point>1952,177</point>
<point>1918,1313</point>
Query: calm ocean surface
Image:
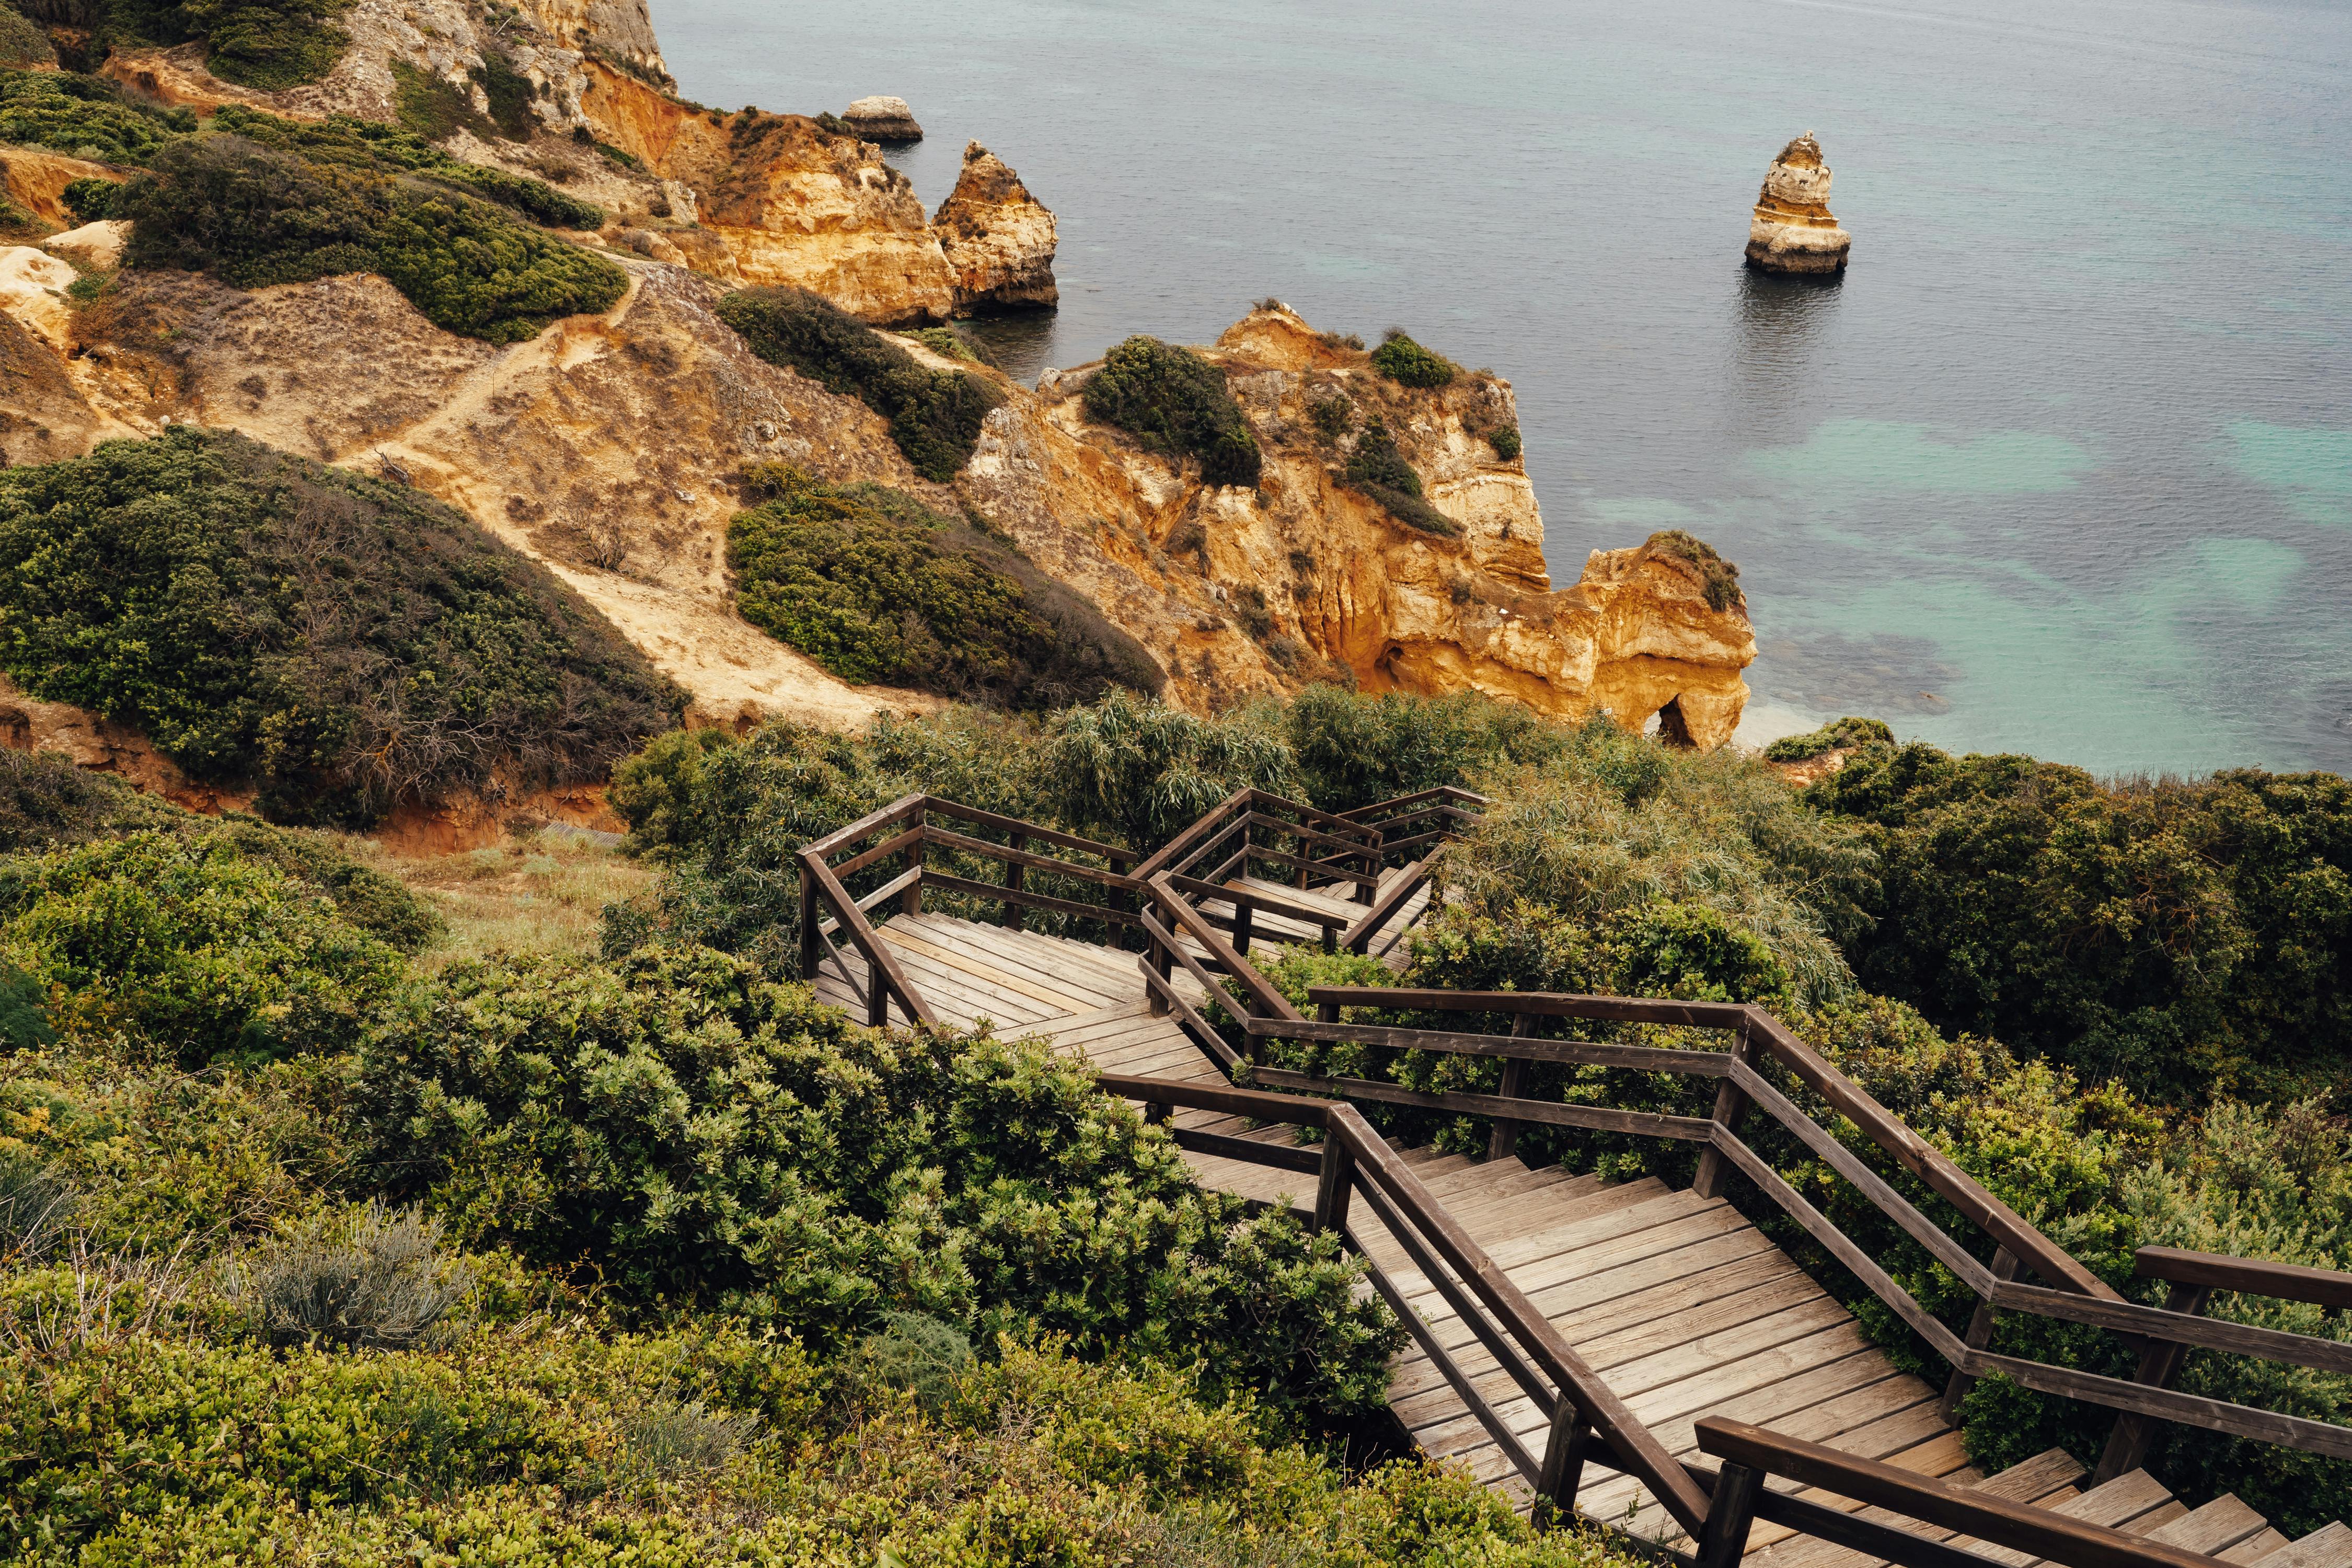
<point>2063,466</point>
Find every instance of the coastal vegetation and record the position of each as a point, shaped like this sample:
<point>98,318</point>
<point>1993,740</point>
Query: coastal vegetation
<point>1407,364</point>
<point>1718,578</point>
<point>1378,469</point>
<point>1175,403</point>
<point>341,643</point>
<point>256,216</point>
<point>934,416</point>
<point>875,586</point>
<point>86,116</point>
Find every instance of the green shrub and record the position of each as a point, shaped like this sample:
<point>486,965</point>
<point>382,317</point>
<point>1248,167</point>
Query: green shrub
<point>89,200</point>
<point>1618,822</point>
<point>1358,751</point>
<point>346,141</point>
<point>22,43</point>
<point>1378,469</point>
<point>1139,773</point>
<point>2188,937</point>
<point>1504,439</point>
<point>345,642</point>
<point>1333,415</point>
<point>510,95</point>
<point>190,947</point>
<point>85,116</point>
<point>703,1136</point>
<point>1842,734</point>
<point>46,801</point>
<point>1176,403</point>
<point>1719,578</point>
<point>935,416</point>
<point>948,344</point>
<point>268,44</point>
<point>876,587</point>
<point>257,217</point>
<point>1409,364</point>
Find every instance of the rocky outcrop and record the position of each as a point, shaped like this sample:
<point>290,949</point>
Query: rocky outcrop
<point>96,245</point>
<point>610,449</point>
<point>882,119</point>
<point>750,198</point>
<point>998,237</point>
<point>1792,230</point>
<point>1239,591</point>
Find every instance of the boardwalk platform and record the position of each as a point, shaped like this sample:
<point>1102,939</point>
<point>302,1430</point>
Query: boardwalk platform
<point>1682,1306</point>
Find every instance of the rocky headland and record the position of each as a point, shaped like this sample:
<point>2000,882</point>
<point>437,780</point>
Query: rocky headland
<point>1792,229</point>
<point>882,119</point>
<point>614,447</point>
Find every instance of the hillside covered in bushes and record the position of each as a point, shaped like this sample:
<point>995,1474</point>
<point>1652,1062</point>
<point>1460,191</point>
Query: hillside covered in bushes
<point>343,644</point>
<point>311,1249</point>
<point>2094,920</point>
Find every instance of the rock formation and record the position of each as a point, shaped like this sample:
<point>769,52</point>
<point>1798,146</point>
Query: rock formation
<point>998,237</point>
<point>883,120</point>
<point>1792,230</point>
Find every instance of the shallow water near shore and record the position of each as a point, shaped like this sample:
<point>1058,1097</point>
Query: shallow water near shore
<point>2064,464</point>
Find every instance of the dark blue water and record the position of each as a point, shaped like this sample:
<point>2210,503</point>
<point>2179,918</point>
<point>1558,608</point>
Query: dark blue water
<point>2064,465</point>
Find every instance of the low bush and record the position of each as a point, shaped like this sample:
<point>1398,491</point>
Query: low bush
<point>258,216</point>
<point>1378,469</point>
<point>948,344</point>
<point>1719,579</point>
<point>1407,364</point>
<point>344,642</point>
<point>89,200</point>
<point>190,947</point>
<point>345,142</point>
<point>47,801</point>
<point>266,43</point>
<point>85,116</point>
<point>1176,403</point>
<point>702,1136</point>
<point>1358,751</point>
<point>1333,415</point>
<point>22,43</point>
<point>2188,937</point>
<point>1849,734</point>
<point>876,587</point>
<point>1504,439</point>
<point>935,416</point>
<point>371,1279</point>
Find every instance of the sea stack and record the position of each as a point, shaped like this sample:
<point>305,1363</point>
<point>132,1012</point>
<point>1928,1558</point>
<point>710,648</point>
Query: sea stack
<point>1792,230</point>
<point>883,120</point>
<point>999,238</point>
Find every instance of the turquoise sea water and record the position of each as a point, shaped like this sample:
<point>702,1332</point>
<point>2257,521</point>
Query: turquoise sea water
<point>2064,465</point>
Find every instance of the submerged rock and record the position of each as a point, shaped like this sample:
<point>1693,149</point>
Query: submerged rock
<point>999,238</point>
<point>1792,230</point>
<point>883,120</point>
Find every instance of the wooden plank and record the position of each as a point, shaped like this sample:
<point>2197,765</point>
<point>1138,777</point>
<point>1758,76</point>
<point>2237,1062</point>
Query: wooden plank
<point>1059,1000</point>
<point>1988,1518</point>
<point>2255,1548</point>
<point>996,893</point>
<point>2330,1546</point>
<point>968,984</point>
<point>2187,1409</point>
<point>2219,1524</point>
<point>2181,1328</point>
<point>1020,966</point>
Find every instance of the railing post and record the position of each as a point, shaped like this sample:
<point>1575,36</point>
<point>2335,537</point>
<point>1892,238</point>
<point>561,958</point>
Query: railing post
<point>1014,880</point>
<point>1730,1108</point>
<point>1116,899</point>
<point>811,942</point>
<point>1163,961</point>
<point>1244,918</point>
<point>1334,1184</point>
<point>910,902</point>
<point>1504,1141</point>
<point>877,996</point>
<point>1569,1446</point>
<point>1730,1513</point>
<point>2159,1363</point>
<point>1980,1334</point>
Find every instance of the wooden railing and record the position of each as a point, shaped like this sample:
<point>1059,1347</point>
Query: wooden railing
<point>1419,821</point>
<point>1355,1164</point>
<point>830,909</point>
<point>2069,1293</point>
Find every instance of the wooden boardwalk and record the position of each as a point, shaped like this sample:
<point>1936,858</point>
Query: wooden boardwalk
<point>1680,1304</point>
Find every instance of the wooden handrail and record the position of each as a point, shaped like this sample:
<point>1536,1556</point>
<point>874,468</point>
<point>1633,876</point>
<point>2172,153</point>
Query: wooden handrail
<point>1440,792</point>
<point>2254,1276</point>
<point>2076,1543</point>
<point>879,958</point>
<point>1196,925</point>
<point>1543,1004</point>
<point>1358,938</point>
<point>1154,863</point>
<point>864,827</point>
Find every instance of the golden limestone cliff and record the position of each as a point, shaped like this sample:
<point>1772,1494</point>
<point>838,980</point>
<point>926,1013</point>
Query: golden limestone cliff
<point>747,197</point>
<point>611,447</point>
<point>1792,230</point>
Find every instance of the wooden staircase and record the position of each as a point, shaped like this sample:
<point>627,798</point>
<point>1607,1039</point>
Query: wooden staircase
<point>1682,1308</point>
